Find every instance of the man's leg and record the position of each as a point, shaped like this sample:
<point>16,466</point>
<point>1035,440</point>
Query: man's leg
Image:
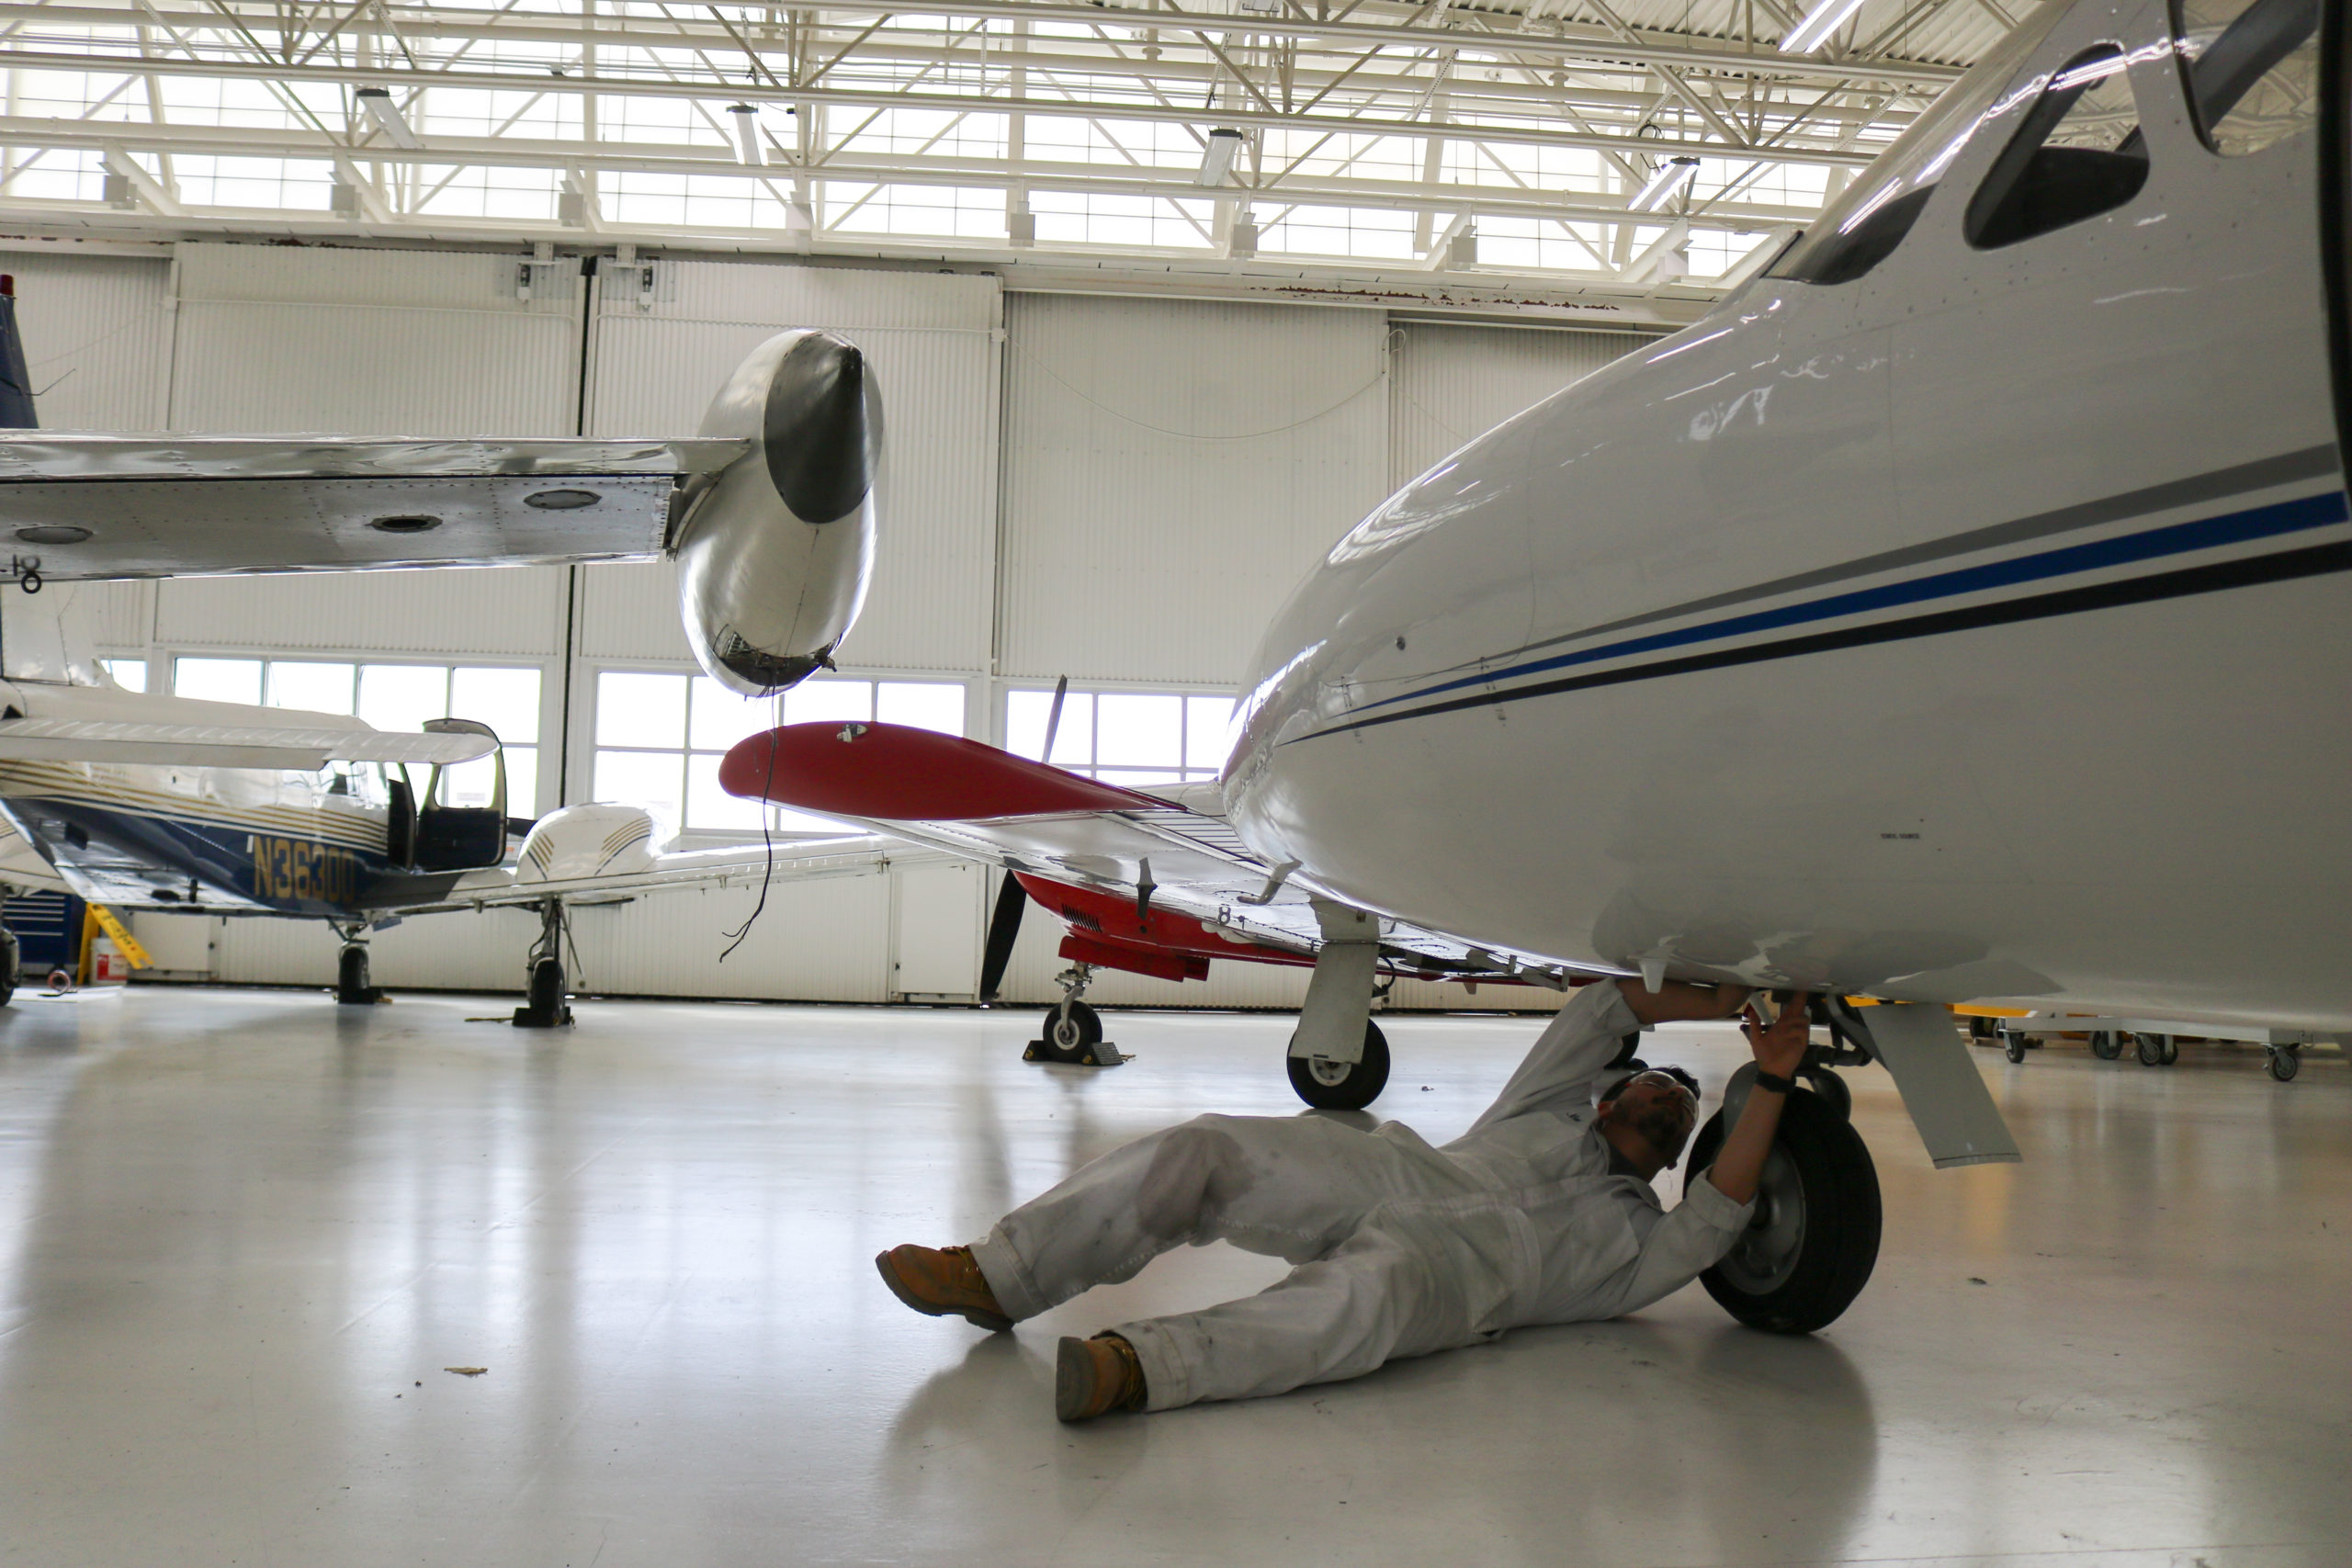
<point>1290,1187</point>
<point>1379,1298</point>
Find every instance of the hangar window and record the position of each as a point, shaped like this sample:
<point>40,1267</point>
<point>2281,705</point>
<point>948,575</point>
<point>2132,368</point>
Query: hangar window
<point>1123,738</point>
<point>2252,68</point>
<point>392,696</point>
<point>2078,153</point>
<point>131,674</point>
<point>660,736</point>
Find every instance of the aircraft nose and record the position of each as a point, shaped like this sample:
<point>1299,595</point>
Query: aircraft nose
<point>822,429</point>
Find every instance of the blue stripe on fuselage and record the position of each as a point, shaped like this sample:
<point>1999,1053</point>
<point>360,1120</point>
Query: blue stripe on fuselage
<point>2177,538</point>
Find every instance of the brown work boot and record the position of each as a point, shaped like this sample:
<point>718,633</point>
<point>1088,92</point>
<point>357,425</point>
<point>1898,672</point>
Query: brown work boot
<point>1094,1377</point>
<point>943,1281</point>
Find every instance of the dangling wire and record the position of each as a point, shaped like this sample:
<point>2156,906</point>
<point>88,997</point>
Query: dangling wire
<point>767,843</point>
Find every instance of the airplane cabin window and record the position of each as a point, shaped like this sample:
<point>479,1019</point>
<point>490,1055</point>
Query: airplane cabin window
<point>2252,68</point>
<point>2077,153</point>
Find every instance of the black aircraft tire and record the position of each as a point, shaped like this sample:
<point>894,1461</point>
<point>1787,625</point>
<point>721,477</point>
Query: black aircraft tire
<point>351,978</point>
<point>1834,1090</point>
<point>546,995</point>
<point>1823,1163</point>
<point>1069,1040</point>
<point>1334,1086</point>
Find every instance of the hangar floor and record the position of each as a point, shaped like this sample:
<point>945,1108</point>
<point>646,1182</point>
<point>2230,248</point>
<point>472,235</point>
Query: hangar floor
<point>242,1235</point>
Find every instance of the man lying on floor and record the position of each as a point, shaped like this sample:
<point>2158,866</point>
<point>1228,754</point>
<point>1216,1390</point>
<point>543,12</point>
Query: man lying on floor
<point>1541,1212</point>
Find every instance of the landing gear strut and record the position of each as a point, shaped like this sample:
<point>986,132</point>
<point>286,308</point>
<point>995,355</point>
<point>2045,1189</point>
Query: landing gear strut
<point>544,1006</point>
<point>353,987</point>
<point>1073,1032</point>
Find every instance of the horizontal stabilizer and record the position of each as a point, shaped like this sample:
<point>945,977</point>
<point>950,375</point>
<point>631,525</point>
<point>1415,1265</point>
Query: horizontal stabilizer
<point>895,772</point>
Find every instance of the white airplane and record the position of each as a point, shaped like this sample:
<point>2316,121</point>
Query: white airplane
<point>1951,616</point>
<point>167,804</point>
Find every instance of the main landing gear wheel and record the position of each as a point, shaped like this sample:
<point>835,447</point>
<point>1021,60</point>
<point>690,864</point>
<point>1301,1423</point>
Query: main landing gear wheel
<point>543,1004</point>
<point>1344,1085</point>
<point>1810,1247</point>
<point>2105,1045</point>
<point>353,987</point>
<point>1070,1033</point>
<point>2155,1050</point>
<point>2285,1062</point>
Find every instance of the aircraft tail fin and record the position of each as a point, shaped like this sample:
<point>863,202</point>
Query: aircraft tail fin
<point>16,380</point>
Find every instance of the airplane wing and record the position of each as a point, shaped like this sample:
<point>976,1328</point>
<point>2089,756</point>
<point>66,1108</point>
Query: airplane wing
<point>802,860</point>
<point>25,868</point>
<point>58,722</point>
<point>1129,870</point>
<point>85,507</point>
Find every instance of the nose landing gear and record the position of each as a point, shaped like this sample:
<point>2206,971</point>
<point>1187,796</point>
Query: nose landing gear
<point>1073,1032</point>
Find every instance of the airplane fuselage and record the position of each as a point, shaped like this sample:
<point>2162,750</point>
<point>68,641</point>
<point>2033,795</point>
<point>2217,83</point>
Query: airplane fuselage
<point>1966,629</point>
<point>274,840</point>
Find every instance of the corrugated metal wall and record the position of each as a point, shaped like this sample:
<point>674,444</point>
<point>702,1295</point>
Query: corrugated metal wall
<point>1449,384</point>
<point>1165,473</point>
<point>1170,471</point>
<point>658,356</point>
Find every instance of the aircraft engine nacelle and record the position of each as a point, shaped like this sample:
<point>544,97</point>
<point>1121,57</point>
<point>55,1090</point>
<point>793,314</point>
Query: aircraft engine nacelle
<point>774,557</point>
<point>599,839</point>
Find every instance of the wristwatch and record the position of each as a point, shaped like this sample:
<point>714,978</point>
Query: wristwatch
<point>1774,1082</point>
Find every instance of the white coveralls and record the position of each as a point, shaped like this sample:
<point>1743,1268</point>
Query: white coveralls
<point>1403,1249</point>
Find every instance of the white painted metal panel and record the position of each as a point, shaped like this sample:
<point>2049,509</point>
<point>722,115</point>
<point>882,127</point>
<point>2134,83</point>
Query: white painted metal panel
<point>931,336</point>
<point>98,336</point>
<point>936,930</point>
<point>631,612</point>
<point>382,343</point>
<point>505,611</point>
<point>1171,470</point>
<point>1451,384</point>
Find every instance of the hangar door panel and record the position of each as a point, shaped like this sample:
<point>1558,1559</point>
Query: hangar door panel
<point>1452,384</point>
<point>660,354</point>
<point>936,930</point>
<point>1172,468</point>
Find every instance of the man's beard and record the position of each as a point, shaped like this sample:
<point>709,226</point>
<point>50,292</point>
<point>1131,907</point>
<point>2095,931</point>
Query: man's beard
<point>1666,1132</point>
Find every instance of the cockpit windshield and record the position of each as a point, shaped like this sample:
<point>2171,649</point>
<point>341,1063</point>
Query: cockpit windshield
<point>1864,225</point>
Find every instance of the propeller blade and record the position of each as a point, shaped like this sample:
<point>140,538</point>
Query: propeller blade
<point>1004,925</point>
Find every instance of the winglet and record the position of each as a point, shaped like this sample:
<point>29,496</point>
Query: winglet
<point>16,380</point>
<point>896,772</point>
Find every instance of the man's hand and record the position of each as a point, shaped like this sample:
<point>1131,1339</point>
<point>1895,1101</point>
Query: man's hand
<point>1780,1047</point>
<point>1678,1002</point>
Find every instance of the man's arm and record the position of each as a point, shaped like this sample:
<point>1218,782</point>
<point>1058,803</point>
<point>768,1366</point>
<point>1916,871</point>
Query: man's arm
<point>1777,1051</point>
<point>1577,1046</point>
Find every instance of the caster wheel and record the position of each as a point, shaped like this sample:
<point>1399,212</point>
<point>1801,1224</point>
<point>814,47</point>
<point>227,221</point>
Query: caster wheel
<point>2285,1062</point>
<point>2105,1046</point>
<point>2154,1050</point>
<point>1344,1085</point>
<point>1068,1034</point>
<point>1810,1247</point>
<point>1833,1090</point>
<point>2013,1047</point>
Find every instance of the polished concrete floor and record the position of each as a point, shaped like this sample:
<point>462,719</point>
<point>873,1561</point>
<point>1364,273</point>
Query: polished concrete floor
<point>244,1234</point>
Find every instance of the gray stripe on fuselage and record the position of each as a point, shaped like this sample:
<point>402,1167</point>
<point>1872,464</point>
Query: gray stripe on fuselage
<point>2310,463</point>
